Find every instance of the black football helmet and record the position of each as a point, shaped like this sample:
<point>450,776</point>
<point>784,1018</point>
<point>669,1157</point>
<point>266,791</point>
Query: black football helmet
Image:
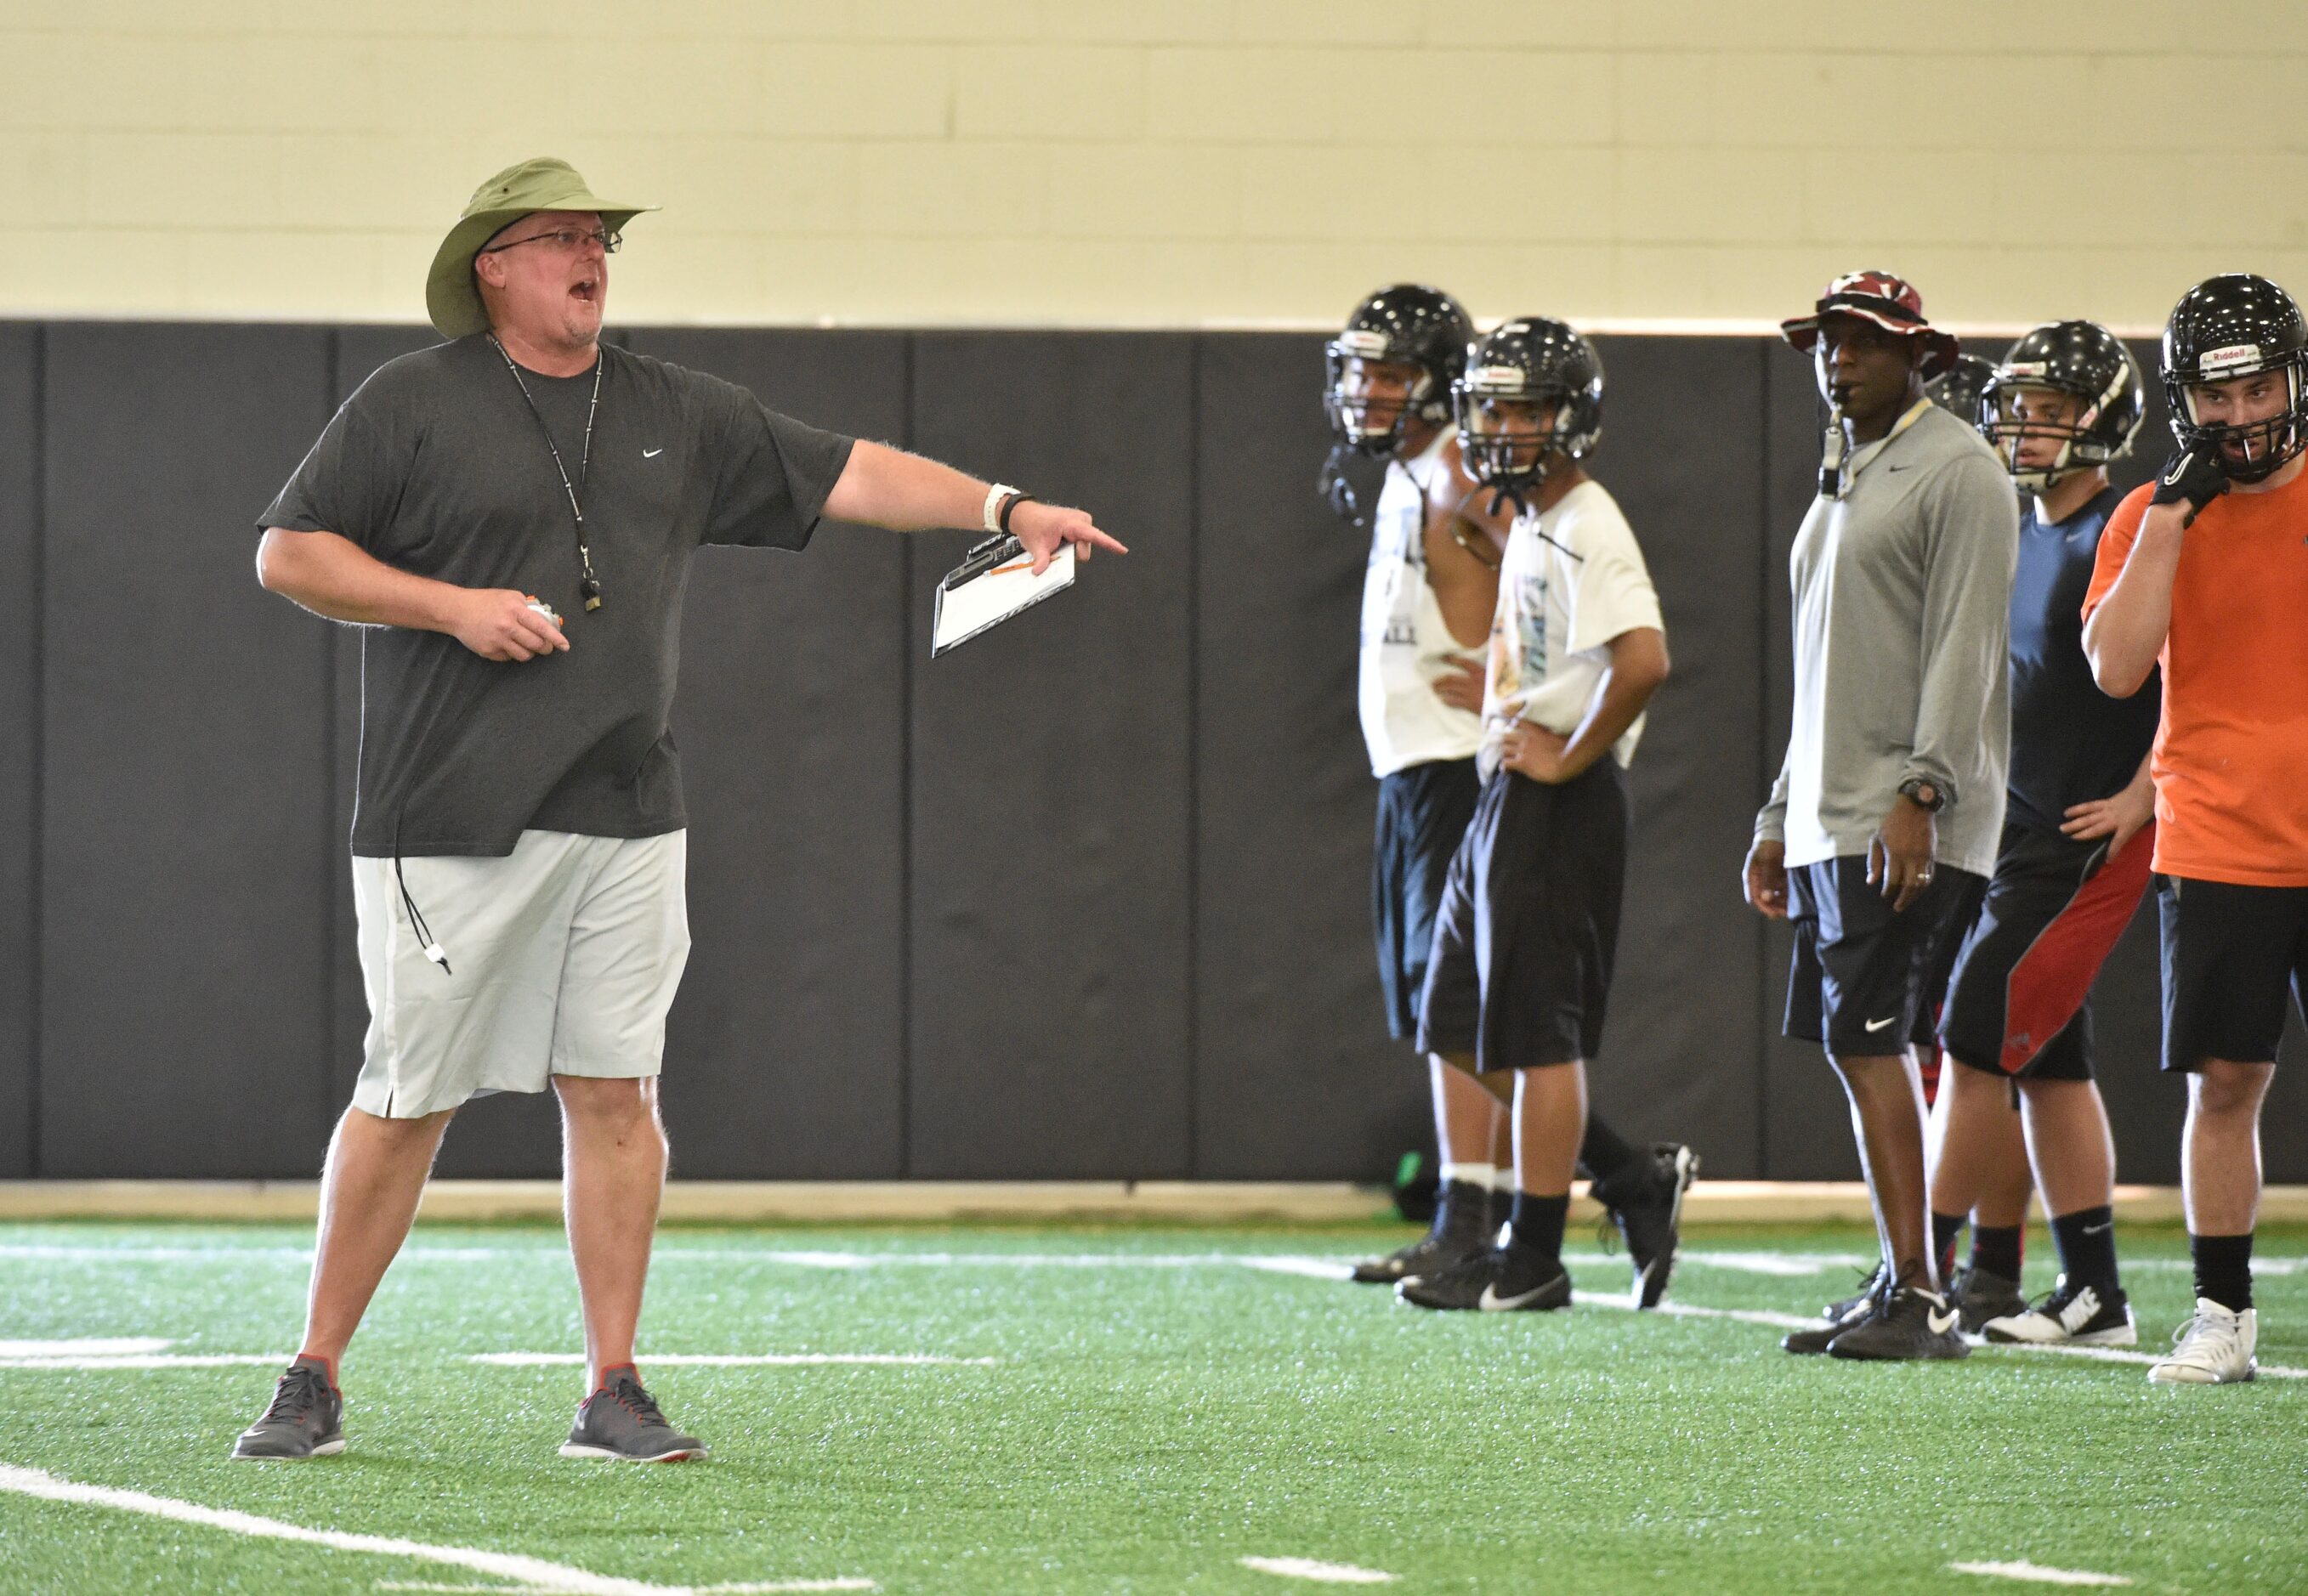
<point>1536,361</point>
<point>1958,389</point>
<point>2233,326</point>
<point>1409,324</point>
<point>2081,358</point>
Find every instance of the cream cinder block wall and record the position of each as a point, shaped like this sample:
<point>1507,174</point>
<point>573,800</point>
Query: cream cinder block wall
<point>1163,162</point>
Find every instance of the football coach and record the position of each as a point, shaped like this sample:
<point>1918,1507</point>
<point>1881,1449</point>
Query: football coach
<point>510,517</point>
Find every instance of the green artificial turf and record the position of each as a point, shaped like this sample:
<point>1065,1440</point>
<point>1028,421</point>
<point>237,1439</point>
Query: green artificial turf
<point>1146,1424</point>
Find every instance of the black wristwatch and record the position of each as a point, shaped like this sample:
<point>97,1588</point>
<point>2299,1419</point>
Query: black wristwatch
<point>1923,794</point>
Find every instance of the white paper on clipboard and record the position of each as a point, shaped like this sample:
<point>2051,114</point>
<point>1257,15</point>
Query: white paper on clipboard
<point>974,601</point>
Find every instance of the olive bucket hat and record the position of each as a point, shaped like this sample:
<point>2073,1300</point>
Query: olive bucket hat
<point>452,298</point>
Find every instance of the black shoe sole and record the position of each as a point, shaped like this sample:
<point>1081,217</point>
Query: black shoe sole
<point>1651,1283</point>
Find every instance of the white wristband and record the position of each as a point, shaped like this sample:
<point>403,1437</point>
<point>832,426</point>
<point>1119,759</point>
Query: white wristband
<point>992,514</point>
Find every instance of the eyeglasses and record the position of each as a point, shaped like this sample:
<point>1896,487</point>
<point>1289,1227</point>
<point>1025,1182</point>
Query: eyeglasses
<point>567,240</point>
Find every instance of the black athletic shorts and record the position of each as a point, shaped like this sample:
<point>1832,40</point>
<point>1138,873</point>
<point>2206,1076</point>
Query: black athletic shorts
<point>1529,923</point>
<point>1866,980</point>
<point>2229,952</point>
<point>2054,908</point>
<point>1423,814</point>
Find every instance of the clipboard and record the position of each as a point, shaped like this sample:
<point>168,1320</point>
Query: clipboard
<point>994,583</point>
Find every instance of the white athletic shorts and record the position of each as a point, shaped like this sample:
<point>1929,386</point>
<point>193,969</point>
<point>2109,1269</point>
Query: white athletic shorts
<point>566,955</point>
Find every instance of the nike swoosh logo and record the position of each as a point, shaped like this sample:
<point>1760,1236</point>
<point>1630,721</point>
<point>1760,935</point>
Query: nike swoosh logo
<point>1942,1322</point>
<point>1492,1302</point>
<point>2099,1230</point>
<point>651,454</point>
<point>1899,467</point>
<point>1879,1024</point>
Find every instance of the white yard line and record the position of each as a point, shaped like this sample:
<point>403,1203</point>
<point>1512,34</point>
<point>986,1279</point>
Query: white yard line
<point>741,1360</point>
<point>116,1346</point>
<point>158,1360</point>
<point>1788,1264</point>
<point>534,1573</point>
<point>1328,1574</point>
<point>749,1587</point>
<point>2040,1575</point>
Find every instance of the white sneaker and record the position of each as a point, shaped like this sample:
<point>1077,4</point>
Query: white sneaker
<point>2211,1348</point>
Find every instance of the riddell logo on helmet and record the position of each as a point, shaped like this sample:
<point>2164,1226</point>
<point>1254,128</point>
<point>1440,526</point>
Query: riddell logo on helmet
<point>1362,341</point>
<point>1497,379</point>
<point>2229,357</point>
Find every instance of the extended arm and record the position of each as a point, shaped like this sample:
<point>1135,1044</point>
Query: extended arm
<point>883,487</point>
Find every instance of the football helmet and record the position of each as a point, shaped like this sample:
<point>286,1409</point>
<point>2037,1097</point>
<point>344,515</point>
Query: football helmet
<point>2233,326</point>
<point>1536,365</point>
<point>1410,325</point>
<point>1958,389</point>
<point>2079,359</point>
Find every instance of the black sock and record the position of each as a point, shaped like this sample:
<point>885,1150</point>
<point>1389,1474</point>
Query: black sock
<point>1996,1250</point>
<point>1945,1228</point>
<point>2087,1243</point>
<point>2223,1268</point>
<point>1537,1223</point>
<point>1618,1172</point>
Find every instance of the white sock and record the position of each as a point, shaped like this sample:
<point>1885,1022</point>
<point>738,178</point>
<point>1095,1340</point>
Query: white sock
<point>1503,1179</point>
<point>1475,1177</point>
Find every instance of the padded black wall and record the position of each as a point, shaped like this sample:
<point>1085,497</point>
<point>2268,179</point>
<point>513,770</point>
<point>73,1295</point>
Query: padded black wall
<point>21,348</point>
<point>1088,898</point>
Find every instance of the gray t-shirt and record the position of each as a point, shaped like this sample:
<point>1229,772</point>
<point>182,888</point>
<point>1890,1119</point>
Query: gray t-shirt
<point>1902,617</point>
<point>437,465</point>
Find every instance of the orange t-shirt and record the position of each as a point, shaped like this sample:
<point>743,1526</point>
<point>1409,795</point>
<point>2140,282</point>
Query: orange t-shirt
<point>2231,760</point>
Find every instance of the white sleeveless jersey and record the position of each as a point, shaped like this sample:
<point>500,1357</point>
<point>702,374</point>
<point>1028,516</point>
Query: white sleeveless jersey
<point>1406,647</point>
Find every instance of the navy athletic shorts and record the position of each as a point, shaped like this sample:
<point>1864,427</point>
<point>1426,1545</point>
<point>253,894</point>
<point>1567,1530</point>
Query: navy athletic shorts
<point>1529,923</point>
<point>2229,953</point>
<point>1423,814</point>
<point>2054,911</point>
<point>1866,980</point>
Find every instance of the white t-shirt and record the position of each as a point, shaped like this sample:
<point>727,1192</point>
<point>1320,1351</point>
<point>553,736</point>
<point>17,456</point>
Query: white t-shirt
<point>1573,579</point>
<point>1406,646</point>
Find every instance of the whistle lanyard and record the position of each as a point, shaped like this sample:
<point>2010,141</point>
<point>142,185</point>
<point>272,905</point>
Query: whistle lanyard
<point>588,588</point>
<point>1836,474</point>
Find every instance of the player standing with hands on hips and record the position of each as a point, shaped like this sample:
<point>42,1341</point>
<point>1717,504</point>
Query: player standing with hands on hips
<point>2207,570</point>
<point>1880,830</point>
<point>1528,930</point>
<point>1432,580</point>
<point>509,516</point>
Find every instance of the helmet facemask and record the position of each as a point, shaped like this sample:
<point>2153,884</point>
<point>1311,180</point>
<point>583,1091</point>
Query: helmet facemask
<point>1372,389</point>
<point>1507,434</point>
<point>2015,414</point>
<point>2265,445</point>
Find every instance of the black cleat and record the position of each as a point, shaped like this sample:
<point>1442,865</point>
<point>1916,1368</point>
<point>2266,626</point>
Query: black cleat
<point>2071,1316</point>
<point>1652,1223</point>
<point>621,1421</point>
<point>1835,1319</point>
<point>1906,1324</point>
<point>305,1420</point>
<point>1463,1228</point>
<point>1980,1295</point>
<point>1507,1279</point>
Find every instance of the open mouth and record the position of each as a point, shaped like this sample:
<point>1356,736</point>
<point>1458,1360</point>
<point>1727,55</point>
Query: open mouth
<point>586,290</point>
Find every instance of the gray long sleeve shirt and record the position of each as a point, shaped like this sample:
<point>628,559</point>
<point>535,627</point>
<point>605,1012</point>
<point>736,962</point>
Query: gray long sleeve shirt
<point>1902,617</point>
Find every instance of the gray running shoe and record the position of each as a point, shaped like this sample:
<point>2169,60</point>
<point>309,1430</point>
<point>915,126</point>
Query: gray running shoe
<point>1463,1228</point>
<point>1980,1295</point>
<point>621,1421</point>
<point>305,1420</point>
<point>1906,1324</point>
